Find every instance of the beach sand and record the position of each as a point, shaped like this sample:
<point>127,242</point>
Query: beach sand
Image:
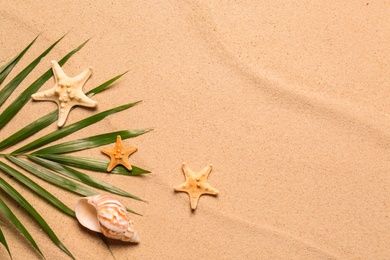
<point>289,101</point>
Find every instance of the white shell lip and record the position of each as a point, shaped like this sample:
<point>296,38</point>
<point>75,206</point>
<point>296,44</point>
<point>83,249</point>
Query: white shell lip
<point>86,214</point>
<point>105,214</point>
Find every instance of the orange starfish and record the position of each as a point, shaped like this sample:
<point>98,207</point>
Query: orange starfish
<point>196,184</point>
<point>119,154</point>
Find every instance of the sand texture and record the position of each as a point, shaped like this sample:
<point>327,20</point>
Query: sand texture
<point>288,100</point>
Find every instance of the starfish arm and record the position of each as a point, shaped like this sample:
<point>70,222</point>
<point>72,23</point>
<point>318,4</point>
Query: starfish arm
<point>57,71</point>
<point>194,201</point>
<point>210,190</point>
<point>86,101</point>
<point>106,151</point>
<point>206,170</point>
<point>119,140</point>
<point>45,95</point>
<point>126,163</point>
<point>181,187</point>
<point>188,173</point>
<point>83,77</point>
<point>63,114</point>
<point>111,165</point>
<point>129,151</point>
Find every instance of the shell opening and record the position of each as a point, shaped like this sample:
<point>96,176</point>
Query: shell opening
<point>86,214</point>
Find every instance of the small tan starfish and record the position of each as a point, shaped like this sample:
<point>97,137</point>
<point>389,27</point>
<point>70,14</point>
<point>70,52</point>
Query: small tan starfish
<point>196,184</point>
<point>119,154</point>
<point>67,92</point>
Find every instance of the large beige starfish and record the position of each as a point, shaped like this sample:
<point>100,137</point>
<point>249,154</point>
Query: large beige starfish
<point>119,154</point>
<point>67,92</point>
<point>196,184</point>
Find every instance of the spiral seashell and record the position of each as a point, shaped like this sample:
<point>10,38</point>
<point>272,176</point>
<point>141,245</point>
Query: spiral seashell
<point>105,214</point>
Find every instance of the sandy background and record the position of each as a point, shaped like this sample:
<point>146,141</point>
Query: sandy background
<point>290,102</point>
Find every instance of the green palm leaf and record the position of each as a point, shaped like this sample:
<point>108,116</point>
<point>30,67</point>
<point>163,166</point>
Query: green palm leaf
<point>67,130</point>
<point>82,177</point>
<point>30,209</point>
<point>90,142</point>
<point>4,241</point>
<point>10,215</point>
<point>7,68</point>
<point>36,188</point>
<point>14,83</point>
<point>92,164</point>
<point>52,178</point>
<point>47,163</point>
<point>48,119</point>
<point>104,86</point>
<point>30,129</point>
<point>18,103</point>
